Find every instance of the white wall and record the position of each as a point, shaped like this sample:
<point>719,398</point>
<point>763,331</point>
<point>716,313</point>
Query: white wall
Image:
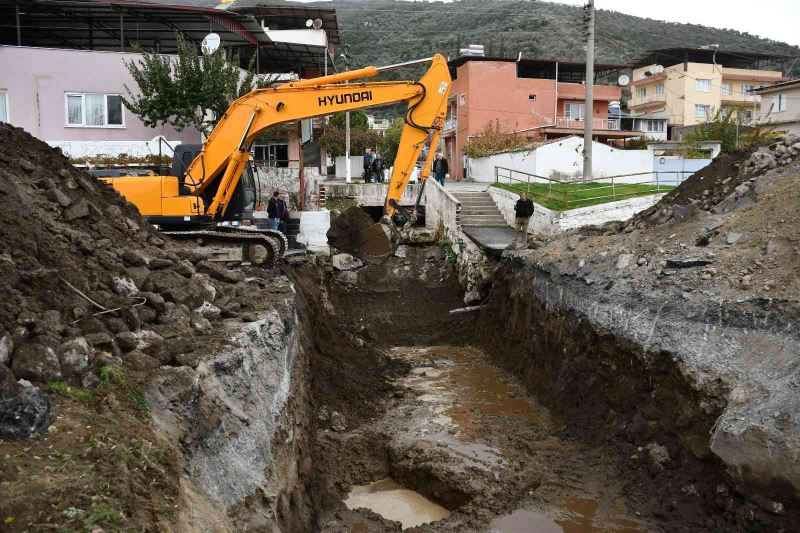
<point>549,221</point>
<point>563,159</point>
<point>356,167</point>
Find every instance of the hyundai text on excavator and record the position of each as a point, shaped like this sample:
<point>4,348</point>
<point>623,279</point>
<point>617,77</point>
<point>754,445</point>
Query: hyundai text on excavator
<point>204,202</point>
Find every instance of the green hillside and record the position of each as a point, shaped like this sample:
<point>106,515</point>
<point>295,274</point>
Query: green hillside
<point>388,31</point>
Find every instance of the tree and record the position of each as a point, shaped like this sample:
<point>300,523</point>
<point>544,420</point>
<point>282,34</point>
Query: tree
<point>358,120</point>
<point>391,140</point>
<point>333,140</point>
<point>191,89</point>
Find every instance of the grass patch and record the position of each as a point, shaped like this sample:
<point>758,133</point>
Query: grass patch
<point>67,391</point>
<point>103,514</point>
<point>561,197</point>
<point>111,375</point>
<point>138,398</point>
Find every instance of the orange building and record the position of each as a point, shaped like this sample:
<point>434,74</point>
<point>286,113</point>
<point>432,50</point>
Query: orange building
<point>531,96</point>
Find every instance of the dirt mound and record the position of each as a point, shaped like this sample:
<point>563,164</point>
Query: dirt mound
<point>345,231</point>
<point>94,301</point>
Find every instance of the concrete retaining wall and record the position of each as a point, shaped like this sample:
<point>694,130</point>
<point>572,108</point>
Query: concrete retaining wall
<point>549,221</point>
<point>441,208</point>
<point>370,194</point>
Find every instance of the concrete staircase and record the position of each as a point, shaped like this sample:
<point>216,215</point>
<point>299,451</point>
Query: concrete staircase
<point>479,210</point>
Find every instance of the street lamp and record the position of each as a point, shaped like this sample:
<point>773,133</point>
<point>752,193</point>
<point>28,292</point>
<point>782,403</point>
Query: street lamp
<point>347,174</point>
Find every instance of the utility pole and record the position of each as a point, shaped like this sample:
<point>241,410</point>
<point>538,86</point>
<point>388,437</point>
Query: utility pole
<point>588,113</point>
<point>347,174</point>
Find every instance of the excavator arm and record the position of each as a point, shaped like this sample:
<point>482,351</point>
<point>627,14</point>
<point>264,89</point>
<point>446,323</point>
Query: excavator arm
<point>226,151</point>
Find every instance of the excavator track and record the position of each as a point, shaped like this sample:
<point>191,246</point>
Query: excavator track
<point>259,247</point>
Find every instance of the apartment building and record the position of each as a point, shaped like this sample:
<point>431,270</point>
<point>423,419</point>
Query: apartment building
<point>780,106</point>
<point>535,97</point>
<point>686,86</point>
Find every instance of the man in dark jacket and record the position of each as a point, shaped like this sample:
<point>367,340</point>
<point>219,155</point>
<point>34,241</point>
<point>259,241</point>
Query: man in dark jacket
<point>523,211</point>
<point>368,166</point>
<point>377,167</point>
<point>272,211</point>
<point>440,168</point>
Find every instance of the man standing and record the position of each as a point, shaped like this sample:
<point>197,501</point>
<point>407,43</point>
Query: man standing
<point>377,167</point>
<point>368,166</point>
<point>272,211</point>
<point>523,211</point>
<point>283,212</point>
<point>440,168</point>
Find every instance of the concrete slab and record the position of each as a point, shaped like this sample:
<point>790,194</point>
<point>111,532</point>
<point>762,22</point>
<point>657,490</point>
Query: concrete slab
<point>493,239</point>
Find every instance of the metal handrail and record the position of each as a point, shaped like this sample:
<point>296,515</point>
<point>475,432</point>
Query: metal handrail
<point>563,188</point>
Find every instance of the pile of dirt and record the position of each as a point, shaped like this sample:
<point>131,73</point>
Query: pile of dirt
<point>94,300</point>
<point>346,229</point>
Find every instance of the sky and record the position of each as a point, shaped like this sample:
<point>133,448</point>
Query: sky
<point>773,19</point>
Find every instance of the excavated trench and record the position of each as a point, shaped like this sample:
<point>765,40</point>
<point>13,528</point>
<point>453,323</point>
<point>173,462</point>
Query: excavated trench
<point>521,417</point>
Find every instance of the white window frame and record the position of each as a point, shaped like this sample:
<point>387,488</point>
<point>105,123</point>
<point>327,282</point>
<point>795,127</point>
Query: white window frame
<point>83,124</point>
<point>726,88</point>
<point>641,92</point>
<point>659,89</point>
<point>697,108</point>
<point>779,103</point>
<point>702,86</point>
<point>567,110</point>
<point>647,124</point>
<point>4,96</point>
<point>746,91</point>
<point>741,115</point>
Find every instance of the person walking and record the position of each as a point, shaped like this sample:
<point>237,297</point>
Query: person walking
<point>377,167</point>
<point>523,211</point>
<point>440,168</point>
<point>368,166</point>
<point>272,211</point>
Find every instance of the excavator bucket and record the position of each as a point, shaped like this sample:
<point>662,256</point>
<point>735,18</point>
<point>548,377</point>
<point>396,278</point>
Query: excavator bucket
<point>355,232</point>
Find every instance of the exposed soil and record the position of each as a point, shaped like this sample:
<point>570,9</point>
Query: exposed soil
<point>345,231</point>
<point>94,302</point>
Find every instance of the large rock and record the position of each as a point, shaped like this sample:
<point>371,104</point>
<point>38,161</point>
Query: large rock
<point>6,348</point>
<point>74,356</point>
<point>77,210</point>
<point>36,362</point>
<point>219,272</point>
<point>24,409</point>
<point>346,262</point>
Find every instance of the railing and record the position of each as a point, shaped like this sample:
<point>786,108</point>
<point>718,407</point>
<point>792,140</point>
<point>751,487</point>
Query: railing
<point>597,123</point>
<point>563,194</point>
<point>450,124</point>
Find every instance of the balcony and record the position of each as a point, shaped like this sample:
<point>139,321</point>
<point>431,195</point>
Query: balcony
<point>450,125</point>
<point>610,124</point>
<point>656,100</point>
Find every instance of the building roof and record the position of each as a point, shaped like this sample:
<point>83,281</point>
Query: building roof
<point>778,86</point>
<point>726,58</point>
<point>568,71</point>
<point>118,25</point>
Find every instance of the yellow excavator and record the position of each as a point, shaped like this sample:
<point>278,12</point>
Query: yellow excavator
<point>206,199</point>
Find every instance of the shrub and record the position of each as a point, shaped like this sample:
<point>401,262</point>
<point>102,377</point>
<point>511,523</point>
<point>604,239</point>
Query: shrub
<point>493,140</point>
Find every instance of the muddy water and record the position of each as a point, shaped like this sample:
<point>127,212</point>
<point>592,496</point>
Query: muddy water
<point>395,502</point>
<point>467,436</point>
<point>573,515</point>
<point>472,399</point>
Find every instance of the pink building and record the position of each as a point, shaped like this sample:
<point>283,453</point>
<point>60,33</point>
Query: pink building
<point>533,97</point>
<point>72,99</point>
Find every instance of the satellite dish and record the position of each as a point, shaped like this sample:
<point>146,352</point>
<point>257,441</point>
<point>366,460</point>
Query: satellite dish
<point>309,23</point>
<point>317,24</point>
<point>657,69</point>
<point>623,80</point>
<point>210,44</point>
